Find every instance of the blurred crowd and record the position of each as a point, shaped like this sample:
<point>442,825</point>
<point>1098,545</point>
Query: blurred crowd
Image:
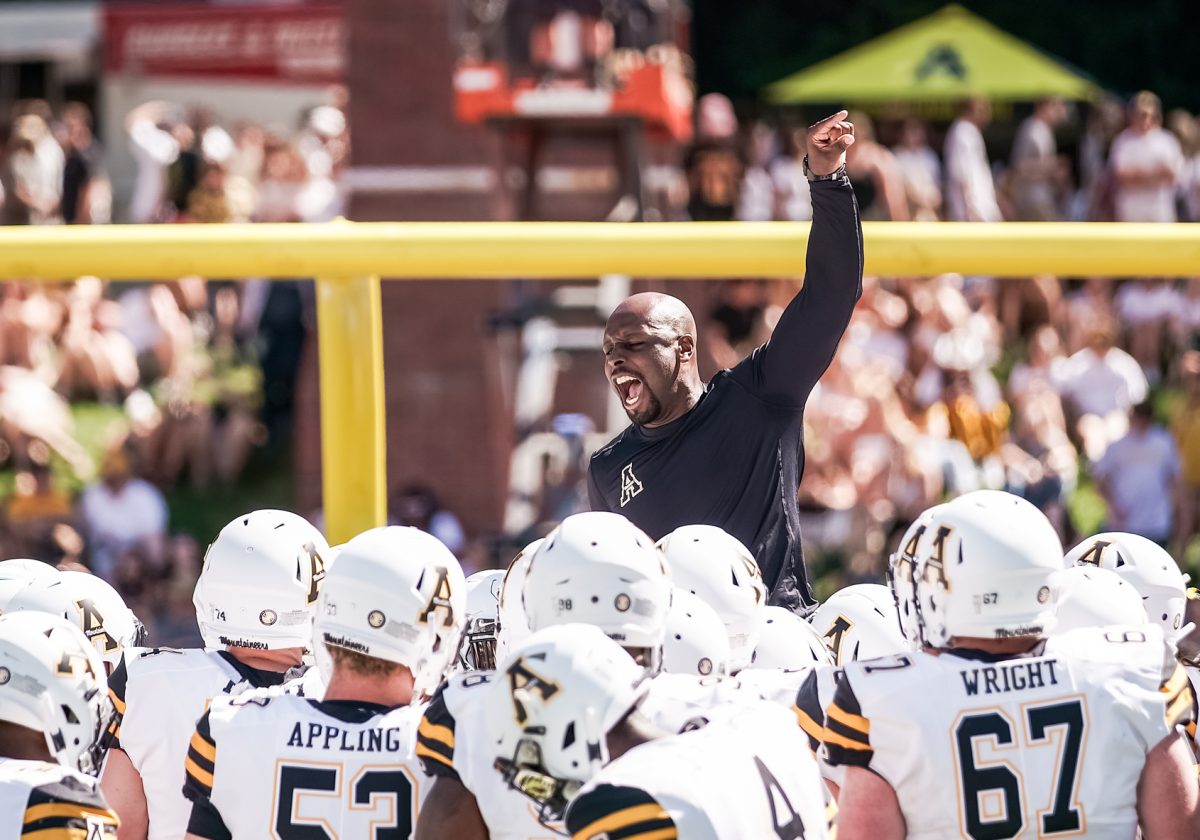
<point>1062,390</point>
<point>1041,386</point>
<point>189,167</point>
<point>186,377</point>
<point>1106,161</point>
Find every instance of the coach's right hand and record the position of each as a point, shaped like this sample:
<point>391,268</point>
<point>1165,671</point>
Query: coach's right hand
<point>827,142</point>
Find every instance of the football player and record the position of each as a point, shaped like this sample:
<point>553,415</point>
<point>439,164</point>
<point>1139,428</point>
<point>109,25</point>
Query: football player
<point>19,572</point>
<point>1093,597</point>
<point>595,567</point>
<point>478,649</point>
<point>567,730</point>
<point>254,603</point>
<point>91,604</point>
<point>858,622</point>
<point>53,710</point>
<point>995,731</point>
<point>787,642</point>
<point>714,565</point>
<point>1157,578</point>
<point>901,564</point>
<point>390,615</point>
<point>696,642</point>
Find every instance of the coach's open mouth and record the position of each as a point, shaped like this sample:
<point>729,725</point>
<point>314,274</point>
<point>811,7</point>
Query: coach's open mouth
<point>629,388</point>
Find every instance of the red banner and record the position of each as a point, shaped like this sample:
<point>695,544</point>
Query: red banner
<point>303,44</point>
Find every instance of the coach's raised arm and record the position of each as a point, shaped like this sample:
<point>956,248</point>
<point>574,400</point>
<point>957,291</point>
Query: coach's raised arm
<point>730,453</point>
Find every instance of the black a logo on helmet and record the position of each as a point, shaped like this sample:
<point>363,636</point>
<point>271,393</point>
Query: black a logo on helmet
<point>1094,556</point>
<point>440,599</point>
<point>316,572</point>
<point>936,564</point>
<point>836,634</point>
<point>93,625</point>
<point>524,682</point>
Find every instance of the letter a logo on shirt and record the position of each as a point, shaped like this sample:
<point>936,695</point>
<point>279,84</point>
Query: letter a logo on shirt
<point>630,486</point>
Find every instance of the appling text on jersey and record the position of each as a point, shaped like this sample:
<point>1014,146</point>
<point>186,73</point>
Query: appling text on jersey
<point>323,736</point>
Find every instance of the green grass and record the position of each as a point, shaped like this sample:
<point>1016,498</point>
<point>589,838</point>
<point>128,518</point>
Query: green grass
<point>200,513</point>
<point>1086,507</point>
<point>203,513</point>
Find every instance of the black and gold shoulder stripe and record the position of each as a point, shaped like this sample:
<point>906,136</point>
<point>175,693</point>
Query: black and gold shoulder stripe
<point>809,713</point>
<point>1179,699</point>
<point>201,761</point>
<point>116,693</point>
<point>847,735</point>
<point>613,812</point>
<point>67,810</point>
<point>435,738</point>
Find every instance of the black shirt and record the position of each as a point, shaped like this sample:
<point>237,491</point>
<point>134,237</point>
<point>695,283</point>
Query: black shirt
<point>736,458</point>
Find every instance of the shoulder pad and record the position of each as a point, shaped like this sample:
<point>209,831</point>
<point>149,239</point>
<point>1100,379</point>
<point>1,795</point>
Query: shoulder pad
<point>609,811</point>
<point>435,735</point>
<point>69,807</point>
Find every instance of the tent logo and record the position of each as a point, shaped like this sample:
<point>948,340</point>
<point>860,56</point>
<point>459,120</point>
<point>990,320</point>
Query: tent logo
<point>942,58</point>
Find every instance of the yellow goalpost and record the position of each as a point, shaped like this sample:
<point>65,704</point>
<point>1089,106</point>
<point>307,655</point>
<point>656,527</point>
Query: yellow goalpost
<point>347,259</point>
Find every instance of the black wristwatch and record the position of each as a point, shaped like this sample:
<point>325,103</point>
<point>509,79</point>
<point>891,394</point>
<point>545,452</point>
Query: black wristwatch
<point>840,172</point>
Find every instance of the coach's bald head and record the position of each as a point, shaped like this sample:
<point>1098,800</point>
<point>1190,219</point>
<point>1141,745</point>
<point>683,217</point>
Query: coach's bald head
<point>650,358</point>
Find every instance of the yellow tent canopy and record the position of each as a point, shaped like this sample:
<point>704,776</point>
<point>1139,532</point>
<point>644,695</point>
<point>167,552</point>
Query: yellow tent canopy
<point>949,55</point>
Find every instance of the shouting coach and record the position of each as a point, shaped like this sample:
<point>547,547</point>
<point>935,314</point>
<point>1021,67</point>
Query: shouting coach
<point>731,453</point>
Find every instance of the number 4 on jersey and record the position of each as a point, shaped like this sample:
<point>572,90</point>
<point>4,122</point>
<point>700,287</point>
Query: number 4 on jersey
<point>791,827</point>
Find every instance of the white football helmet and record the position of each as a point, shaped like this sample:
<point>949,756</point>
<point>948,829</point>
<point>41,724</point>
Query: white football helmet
<point>477,651</point>
<point>1093,597</point>
<point>23,568</point>
<point>52,681</point>
<point>260,581</point>
<point>1151,570</point>
<point>554,699</point>
<point>18,573</point>
<point>786,641</point>
<point>901,565</point>
<point>710,563</point>
<point>90,604</point>
<point>398,594</point>
<point>984,570</point>
<point>514,621</point>
<point>696,641</point>
<point>859,622</point>
<point>599,568</point>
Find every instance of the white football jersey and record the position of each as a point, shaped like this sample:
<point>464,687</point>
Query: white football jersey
<point>159,693</point>
<point>283,766</point>
<point>43,800</point>
<point>779,685</point>
<point>812,698</point>
<point>683,702</point>
<point>748,775</point>
<point>453,741</point>
<point>1019,747</point>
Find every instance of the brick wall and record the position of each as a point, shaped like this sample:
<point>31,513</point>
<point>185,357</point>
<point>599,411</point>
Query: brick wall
<point>448,378</point>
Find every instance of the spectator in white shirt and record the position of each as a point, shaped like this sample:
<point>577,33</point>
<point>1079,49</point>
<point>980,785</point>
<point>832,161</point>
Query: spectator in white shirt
<point>121,512</point>
<point>921,170</point>
<point>155,130</point>
<point>792,198</point>
<point>1146,161</point>
<point>1039,175</point>
<point>1146,307</point>
<point>970,190</point>
<point>1101,383</point>
<point>1139,478</point>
